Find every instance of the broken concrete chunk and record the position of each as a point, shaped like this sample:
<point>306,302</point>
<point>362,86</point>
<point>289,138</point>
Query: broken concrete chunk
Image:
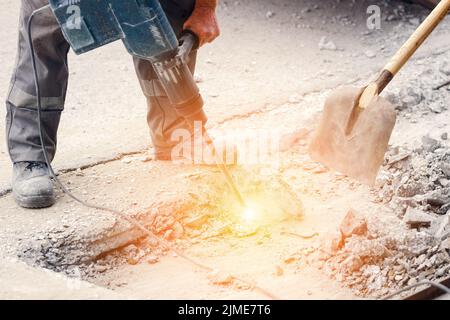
<point>100,268</point>
<point>442,226</point>
<point>152,259</point>
<point>437,198</point>
<point>445,245</point>
<point>352,264</point>
<point>436,107</point>
<point>325,44</point>
<point>444,182</point>
<point>370,54</point>
<point>279,271</point>
<point>218,277</point>
<point>445,68</point>
<point>332,242</point>
<point>410,97</point>
<point>399,157</point>
<point>445,209</point>
<point>446,169</point>
<point>270,14</point>
<point>178,231</point>
<point>353,224</point>
<point>429,144</point>
<point>416,218</point>
<point>131,250</point>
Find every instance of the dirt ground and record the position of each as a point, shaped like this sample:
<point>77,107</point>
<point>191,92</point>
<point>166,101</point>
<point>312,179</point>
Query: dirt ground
<point>269,70</point>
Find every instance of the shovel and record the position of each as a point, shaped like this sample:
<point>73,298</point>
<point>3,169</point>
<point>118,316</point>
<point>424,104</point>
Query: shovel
<point>357,123</point>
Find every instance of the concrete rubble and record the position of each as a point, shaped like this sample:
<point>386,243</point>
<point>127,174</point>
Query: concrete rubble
<point>380,261</point>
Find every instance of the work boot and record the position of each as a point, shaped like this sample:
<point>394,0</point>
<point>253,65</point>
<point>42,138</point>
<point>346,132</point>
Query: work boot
<point>32,185</point>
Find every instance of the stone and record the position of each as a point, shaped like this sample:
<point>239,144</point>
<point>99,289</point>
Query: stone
<point>270,14</point>
<point>218,277</point>
<point>332,242</point>
<point>290,260</point>
<point>409,189</point>
<point>152,242</point>
<point>410,97</point>
<point>445,68</point>
<point>414,21</point>
<point>444,136</point>
<point>370,54</point>
<point>445,209</point>
<point>398,278</point>
<point>445,245</point>
<point>352,264</point>
<point>445,167</point>
<point>437,198</point>
<point>436,107</point>
<point>132,261</point>
<point>399,157</point>
<point>279,271</point>
<point>178,231</point>
<point>444,182</point>
<point>131,249</point>
<point>363,247</point>
<point>152,260</point>
<point>325,44</point>
<point>416,218</point>
<point>353,224</point>
<point>442,226</point>
<point>429,144</point>
<point>100,268</point>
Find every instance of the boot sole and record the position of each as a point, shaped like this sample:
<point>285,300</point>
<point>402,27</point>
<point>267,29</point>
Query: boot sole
<point>39,202</point>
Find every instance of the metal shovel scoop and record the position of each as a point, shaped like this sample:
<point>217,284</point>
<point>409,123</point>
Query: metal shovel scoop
<point>357,123</point>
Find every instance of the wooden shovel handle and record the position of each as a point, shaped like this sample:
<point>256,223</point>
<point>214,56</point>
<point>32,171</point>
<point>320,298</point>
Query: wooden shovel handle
<point>405,52</point>
<point>418,37</point>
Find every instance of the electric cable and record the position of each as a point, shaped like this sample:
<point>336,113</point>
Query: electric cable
<point>421,283</point>
<point>118,213</point>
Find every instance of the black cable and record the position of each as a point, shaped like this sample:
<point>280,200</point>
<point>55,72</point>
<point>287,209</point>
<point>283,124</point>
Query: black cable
<point>442,85</point>
<point>119,214</point>
<point>421,283</point>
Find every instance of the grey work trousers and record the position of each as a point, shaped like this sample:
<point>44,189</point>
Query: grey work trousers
<point>51,51</point>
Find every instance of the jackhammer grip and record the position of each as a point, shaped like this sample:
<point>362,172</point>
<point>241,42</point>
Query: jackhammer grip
<point>189,41</point>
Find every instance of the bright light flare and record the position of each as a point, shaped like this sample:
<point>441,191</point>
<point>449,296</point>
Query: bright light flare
<point>251,213</point>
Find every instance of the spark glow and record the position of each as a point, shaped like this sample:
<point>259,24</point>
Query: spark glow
<point>249,214</point>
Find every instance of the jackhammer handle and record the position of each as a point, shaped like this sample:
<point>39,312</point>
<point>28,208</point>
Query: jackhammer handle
<point>189,41</point>
<point>406,51</point>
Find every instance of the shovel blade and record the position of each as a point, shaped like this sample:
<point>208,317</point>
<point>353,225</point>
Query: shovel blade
<point>351,140</point>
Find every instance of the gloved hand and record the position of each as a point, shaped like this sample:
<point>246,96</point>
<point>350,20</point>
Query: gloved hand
<point>203,21</point>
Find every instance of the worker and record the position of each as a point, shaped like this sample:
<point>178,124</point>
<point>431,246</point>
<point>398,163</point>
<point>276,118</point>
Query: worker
<point>31,184</point>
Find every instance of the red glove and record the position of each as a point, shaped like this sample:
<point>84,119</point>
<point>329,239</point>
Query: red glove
<point>203,21</point>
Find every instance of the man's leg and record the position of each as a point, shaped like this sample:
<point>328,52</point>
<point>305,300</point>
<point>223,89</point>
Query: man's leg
<point>31,185</point>
<point>162,117</point>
